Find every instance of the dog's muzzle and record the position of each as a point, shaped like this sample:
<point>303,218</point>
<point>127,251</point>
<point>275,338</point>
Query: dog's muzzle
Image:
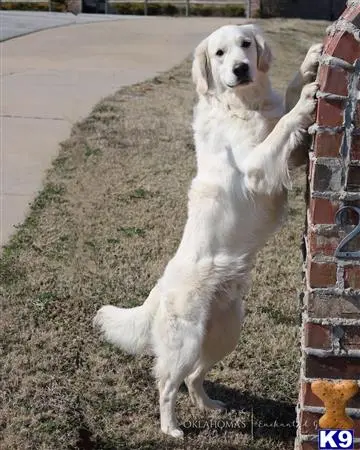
<point>242,73</point>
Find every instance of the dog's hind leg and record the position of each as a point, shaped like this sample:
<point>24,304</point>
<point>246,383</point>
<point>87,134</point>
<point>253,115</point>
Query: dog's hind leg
<point>177,349</point>
<point>194,383</point>
<point>222,335</point>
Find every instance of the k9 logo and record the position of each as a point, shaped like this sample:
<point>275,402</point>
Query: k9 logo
<point>338,439</point>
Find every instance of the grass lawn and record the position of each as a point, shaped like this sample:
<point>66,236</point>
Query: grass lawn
<point>107,221</point>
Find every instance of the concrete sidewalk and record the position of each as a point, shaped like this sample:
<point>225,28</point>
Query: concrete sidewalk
<point>53,78</point>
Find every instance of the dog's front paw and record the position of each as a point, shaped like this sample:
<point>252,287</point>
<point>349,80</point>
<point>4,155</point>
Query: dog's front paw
<point>305,107</point>
<point>310,64</point>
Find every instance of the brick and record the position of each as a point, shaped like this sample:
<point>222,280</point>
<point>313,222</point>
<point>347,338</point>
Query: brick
<point>310,423</point>
<point>308,398</point>
<point>323,210</point>
<point>352,277</point>
<point>322,245</point>
<point>355,147</point>
<point>353,181</point>
<point>327,175</point>
<point>317,336</point>
<point>352,14</point>
<point>353,218</point>
<point>329,113</point>
<point>322,305</point>
<point>327,144</point>
<point>333,79</point>
<point>351,338</point>
<point>336,367</point>
<point>343,45</point>
<point>321,274</point>
<point>308,446</point>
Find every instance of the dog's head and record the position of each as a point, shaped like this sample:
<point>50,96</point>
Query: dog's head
<point>230,58</point>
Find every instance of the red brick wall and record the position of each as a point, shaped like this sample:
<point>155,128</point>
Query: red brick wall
<point>331,301</point>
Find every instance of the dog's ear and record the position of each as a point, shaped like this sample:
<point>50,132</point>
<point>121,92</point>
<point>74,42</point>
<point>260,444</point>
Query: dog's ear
<point>201,68</point>
<point>263,50</point>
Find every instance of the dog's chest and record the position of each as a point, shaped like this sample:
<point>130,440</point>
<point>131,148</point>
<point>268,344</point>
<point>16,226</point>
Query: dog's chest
<point>223,141</point>
<point>241,131</point>
<point>245,132</point>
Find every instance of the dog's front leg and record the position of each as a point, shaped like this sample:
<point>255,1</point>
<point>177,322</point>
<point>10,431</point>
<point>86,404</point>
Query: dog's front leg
<point>305,75</point>
<point>266,167</point>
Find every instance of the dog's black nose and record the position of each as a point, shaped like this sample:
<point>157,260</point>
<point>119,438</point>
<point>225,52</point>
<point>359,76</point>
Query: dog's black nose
<point>241,71</point>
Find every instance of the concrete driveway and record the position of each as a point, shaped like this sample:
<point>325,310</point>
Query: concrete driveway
<point>53,78</point>
<point>19,23</point>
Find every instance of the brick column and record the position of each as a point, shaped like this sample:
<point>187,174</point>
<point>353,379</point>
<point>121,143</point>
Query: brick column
<point>255,6</point>
<point>74,6</point>
<point>331,301</point>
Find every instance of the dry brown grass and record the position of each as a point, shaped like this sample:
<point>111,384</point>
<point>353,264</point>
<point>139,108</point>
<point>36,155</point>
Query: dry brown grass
<point>109,217</point>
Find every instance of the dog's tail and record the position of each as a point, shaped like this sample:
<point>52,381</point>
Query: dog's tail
<point>129,328</point>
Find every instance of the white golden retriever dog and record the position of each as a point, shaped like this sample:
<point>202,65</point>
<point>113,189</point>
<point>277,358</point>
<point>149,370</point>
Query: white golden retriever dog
<point>245,139</point>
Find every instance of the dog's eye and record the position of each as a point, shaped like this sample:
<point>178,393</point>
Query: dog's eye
<point>246,44</point>
<point>219,52</point>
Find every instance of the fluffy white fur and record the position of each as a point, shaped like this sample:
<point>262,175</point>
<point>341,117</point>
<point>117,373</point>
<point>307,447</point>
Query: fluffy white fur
<point>244,142</point>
